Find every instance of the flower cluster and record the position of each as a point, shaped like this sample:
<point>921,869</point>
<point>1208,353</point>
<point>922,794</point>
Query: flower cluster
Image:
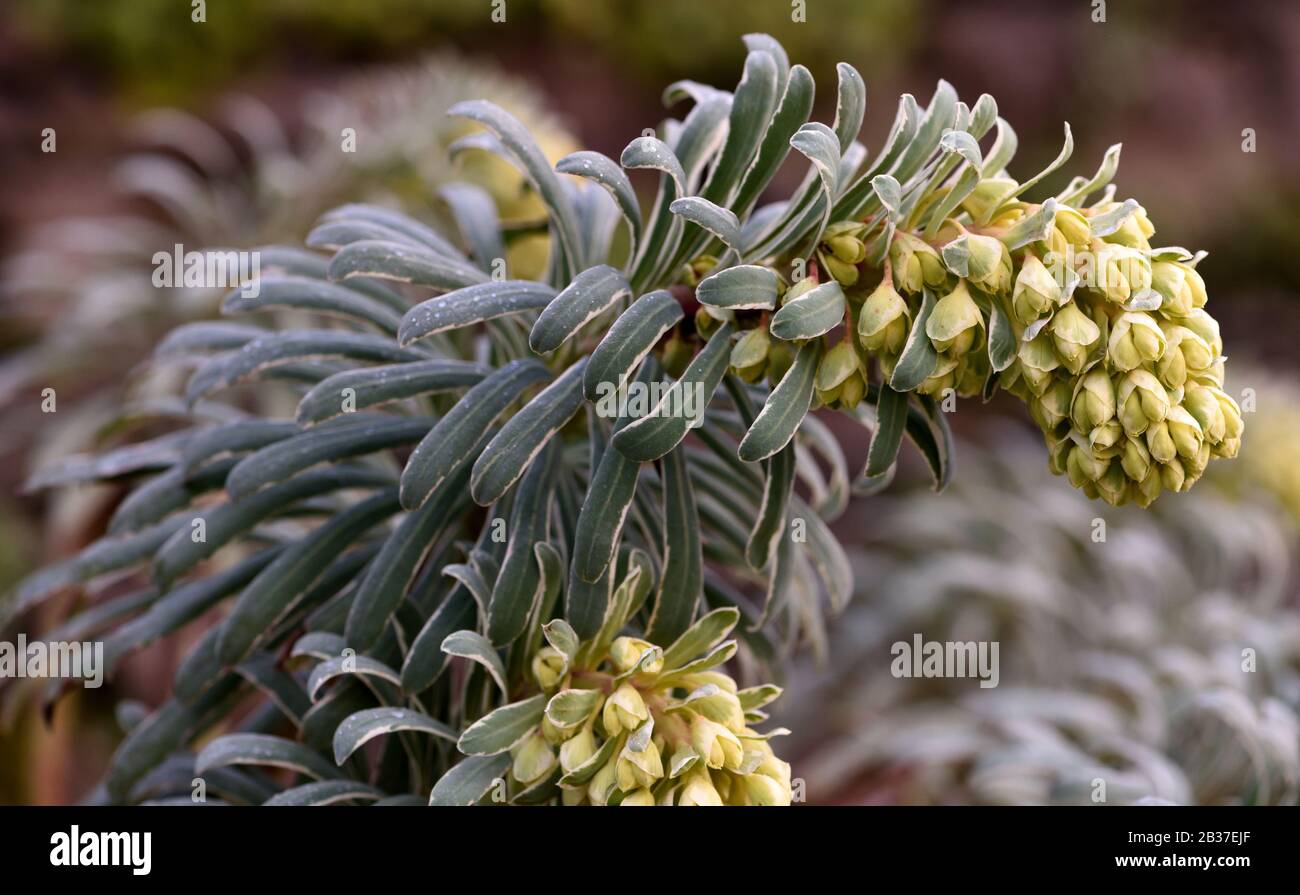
<point>630,723</point>
<point>1104,338</point>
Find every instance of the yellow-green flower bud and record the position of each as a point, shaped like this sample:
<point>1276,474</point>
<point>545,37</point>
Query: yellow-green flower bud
<point>1074,334</point>
<point>749,354</point>
<point>990,263</point>
<point>548,667</point>
<point>1172,476</point>
<point>1107,440</point>
<point>603,783</point>
<point>1117,272</point>
<point>915,263</point>
<point>717,746</point>
<point>841,271</point>
<point>1136,459</point>
<point>797,289</point>
<point>677,355</point>
<point>578,748</point>
<point>1135,339</point>
<point>883,321</point>
<point>1180,286</point>
<point>761,789</point>
<point>779,360</point>
<point>1113,485</point>
<point>1185,431</point>
<point>1073,228</point>
<point>1135,231</point>
<point>837,366</point>
<point>1207,328</point>
<point>1141,401</point>
<point>1082,467</point>
<point>1036,291</point>
<point>627,651</point>
<point>1094,403</point>
<point>639,798</point>
<point>698,790</point>
<point>639,769</point>
<point>1146,491</point>
<point>533,758</point>
<point>1160,442</point>
<point>1203,404</point>
<point>988,194</point>
<point>1232,422</point>
<point>705,323</point>
<point>624,710</point>
<point>1052,407</point>
<point>955,322</point>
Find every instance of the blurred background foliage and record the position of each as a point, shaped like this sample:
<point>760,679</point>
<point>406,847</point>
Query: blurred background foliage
<point>258,94</point>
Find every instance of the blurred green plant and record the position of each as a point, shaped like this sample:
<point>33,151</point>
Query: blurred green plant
<point>1122,660</point>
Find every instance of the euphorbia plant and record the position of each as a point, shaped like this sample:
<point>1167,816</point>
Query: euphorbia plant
<point>451,486</point>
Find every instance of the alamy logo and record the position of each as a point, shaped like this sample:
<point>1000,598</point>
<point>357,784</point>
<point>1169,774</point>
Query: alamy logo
<point>55,658</point>
<point>637,399</point>
<point>948,658</point>
<point>211,269</point>
<point>78,849</point>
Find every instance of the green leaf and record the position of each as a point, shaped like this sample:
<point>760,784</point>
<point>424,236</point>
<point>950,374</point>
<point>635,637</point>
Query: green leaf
<point>408,227</point>
<point>389,577</point>
<point>470,780</point>
<point>232,438</point>
<point>751,111</point>
<point>683,573</point>
<point>771,514</point>
<point>633,335</point>
<point>402,262</point>
<point>701,637</point>
<point>472,305</point>
<point>796,106</point>
<point>891,415</point>
<point>813,314</point>
<point>320,296</point>
<point>503,728</point>
<point>362,727</point>
<point>600,523</point>
<point>850,105</point>
<point>224,522</point>
<point>473,645</point>
<point>263,750</point>
<point>587,296</point>
<point>744,287</point>
<point>665,425</point>
<point>274,592</point>
<point>583,773</point>
<point>375,386</point>
<point>325,792</point>
<point>508,455</point>
<point>363,667</point>
<point>426,660</point>
<point>827,556</point>
<point>603,170</point>
<point>456,440</point>
<point>785,407</point>
<point>164,494</point>
<point>571,708</point>
<point>719,221</point>
<point>1002,337</point>
<point>918,358</point>
<point>1077,193</point>
<point>519,585</point>
<point>349,436</point>
<point>289,347</point>
<point>476,216</point>
<point>207,336</point>
<point>532,161</point>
